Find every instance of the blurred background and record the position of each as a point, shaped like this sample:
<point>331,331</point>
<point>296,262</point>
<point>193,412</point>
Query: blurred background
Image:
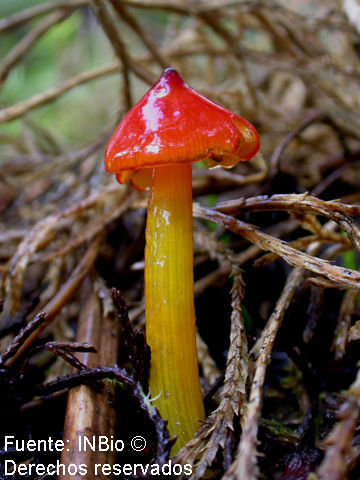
<point>270,61</point>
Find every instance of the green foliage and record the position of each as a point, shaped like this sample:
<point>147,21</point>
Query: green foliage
<point>350,260</point>
<point>67,49</point>
<point>249,322</point>
<point>41,68</point>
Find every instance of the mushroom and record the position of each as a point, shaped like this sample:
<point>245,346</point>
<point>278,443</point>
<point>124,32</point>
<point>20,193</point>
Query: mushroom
<point>154,146</point>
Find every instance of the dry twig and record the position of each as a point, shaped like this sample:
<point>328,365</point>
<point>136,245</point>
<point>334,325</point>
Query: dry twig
<point>335,465</point>
<point>89,410</point>
<point>245,465</point>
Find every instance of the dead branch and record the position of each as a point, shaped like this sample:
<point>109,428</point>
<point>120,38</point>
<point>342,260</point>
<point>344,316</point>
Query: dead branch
<point>21,48</point>
<point>89,410</point>
<point>335,465</point>
<point>118,45</point>
<point>344,322</point>
<point>40,99</point>
<point>245,465</point>
<point>62,297</point>
<point>212,436</point>
<point>346,277</point>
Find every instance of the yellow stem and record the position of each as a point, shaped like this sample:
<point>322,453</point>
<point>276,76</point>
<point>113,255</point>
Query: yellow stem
<point>169,296</point>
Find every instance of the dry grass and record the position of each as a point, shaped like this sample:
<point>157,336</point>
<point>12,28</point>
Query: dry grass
<point>292,69</point>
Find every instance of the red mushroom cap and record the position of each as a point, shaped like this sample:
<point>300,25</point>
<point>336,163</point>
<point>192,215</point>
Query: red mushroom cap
<point>174,124</point>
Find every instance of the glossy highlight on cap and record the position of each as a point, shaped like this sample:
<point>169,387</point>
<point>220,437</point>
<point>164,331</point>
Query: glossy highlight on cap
<point>174,124</point>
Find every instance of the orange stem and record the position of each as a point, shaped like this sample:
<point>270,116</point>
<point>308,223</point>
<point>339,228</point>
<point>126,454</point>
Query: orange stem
<point>169,296</point>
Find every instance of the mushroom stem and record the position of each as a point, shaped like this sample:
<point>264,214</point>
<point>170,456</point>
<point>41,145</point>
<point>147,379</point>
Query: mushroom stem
<point>169,296</point>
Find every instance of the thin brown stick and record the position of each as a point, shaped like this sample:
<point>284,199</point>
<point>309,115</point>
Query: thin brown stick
<point>313,116</point>
<point>260,354</point>
<point>19,263</point>
<point>348,278</point>
<point>244,466</point>
<point>92,229</point>
<point>131,20</point>
<point>335,465</point>
<point>22,47</point>
<point>176,6</point>
<point>89,412</point>
<point>212,21</point>
<point>302,202</point>
<point>209,368</point>
<point>348,306</point>
<point>21,108</point>
<point>63,296</point>
<point>38,237</point>
<point>40,99</point>
<point>118,46</point>
<point>301,244</point>
<point>234,178</point>
<point>30,13</point>
<point>21,337</point>
<point>212,436</point>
